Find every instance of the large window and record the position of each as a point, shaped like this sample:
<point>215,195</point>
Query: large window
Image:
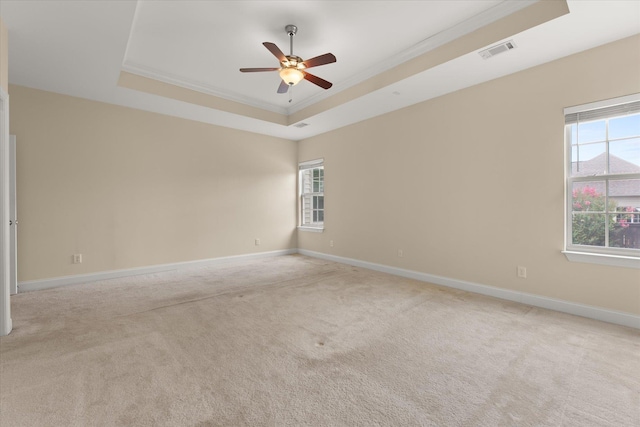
<point>603,177</point>
<point>312,194</point>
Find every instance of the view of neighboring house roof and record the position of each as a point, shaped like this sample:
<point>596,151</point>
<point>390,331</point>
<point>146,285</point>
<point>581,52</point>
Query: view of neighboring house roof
<point>597,166</point>
<point>624,188</point>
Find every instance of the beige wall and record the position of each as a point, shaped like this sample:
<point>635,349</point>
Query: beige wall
<point>128,188</point>
<point>470,185</point>
<point>4,57</point>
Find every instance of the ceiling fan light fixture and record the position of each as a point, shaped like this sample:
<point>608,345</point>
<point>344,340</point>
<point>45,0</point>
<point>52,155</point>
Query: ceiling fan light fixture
<point>292,66</point>
<point>291,76</point>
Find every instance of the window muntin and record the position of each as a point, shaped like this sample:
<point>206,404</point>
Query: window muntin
<point>603,179</point>
<point>312,194</point>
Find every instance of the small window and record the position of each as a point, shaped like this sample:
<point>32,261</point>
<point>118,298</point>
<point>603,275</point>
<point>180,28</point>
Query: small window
<point>603,177</point>
<point>312,194</point>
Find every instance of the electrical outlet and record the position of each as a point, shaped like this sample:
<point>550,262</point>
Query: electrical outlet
<point>257,242</point>
<point>400,253</point>
<point>331,243</point>
<point>522,272</point>
<point>77,258</point>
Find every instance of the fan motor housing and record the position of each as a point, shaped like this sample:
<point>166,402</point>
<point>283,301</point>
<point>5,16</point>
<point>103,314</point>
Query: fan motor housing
<point>293,62</point>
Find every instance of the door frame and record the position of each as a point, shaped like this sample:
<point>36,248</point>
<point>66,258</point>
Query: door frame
<point>5,306</point>
<point>13,218</point>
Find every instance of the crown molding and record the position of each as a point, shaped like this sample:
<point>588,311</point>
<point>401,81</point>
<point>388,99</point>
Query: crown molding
<point>465,27</point>
<point>144,71</point>
<point>172,79</point>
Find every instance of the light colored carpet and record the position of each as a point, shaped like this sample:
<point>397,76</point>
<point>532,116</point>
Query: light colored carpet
<point>297,341</point>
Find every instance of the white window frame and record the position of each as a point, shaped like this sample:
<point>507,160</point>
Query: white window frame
<point>621,257</point>
<point>302,167</point>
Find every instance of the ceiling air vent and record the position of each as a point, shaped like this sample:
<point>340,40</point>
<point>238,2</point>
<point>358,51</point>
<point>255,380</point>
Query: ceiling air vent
<point>301,125</point>
<point>497,49</point>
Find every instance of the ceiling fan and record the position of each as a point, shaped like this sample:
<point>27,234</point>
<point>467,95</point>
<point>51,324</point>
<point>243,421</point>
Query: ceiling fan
<point>292,68</point>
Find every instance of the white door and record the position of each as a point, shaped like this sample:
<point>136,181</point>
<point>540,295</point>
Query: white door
<point>13,219</point>
<point>5,307</point>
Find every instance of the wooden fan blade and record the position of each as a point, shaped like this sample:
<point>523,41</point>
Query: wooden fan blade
<point>284,87</point>
<point>327,58</point>
<point>317,80</point>
<point>275,50</point>
<point>255,70</point>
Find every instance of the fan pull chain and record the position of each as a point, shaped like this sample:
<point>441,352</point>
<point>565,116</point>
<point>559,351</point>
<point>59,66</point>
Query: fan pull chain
<point>290,93</point>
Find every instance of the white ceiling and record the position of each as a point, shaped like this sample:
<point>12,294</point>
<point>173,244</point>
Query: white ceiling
<point>79,48</point>
<point>205,44</point>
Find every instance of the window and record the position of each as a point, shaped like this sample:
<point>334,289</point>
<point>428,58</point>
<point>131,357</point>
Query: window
<point>312,195</point>
<point>603,178</point>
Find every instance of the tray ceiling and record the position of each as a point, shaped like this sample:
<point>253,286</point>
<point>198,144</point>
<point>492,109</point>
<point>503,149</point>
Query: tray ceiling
<point>182,57</point>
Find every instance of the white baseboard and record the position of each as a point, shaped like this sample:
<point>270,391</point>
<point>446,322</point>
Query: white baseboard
<point>36,285</point>
<point>611,316</point>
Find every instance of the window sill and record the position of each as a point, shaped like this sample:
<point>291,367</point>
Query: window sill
<point>603,259</point>
<point>312,229</point>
